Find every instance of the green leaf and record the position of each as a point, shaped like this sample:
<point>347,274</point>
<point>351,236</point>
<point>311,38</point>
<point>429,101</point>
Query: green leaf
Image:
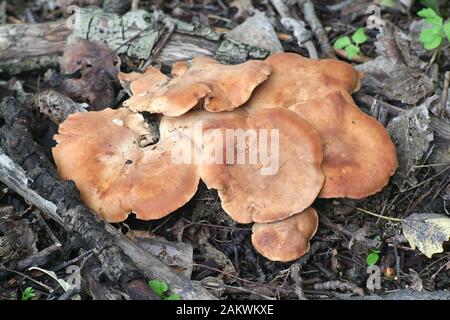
<point>342,42</point>
<point>446,29</point>
<point>352,51</point>
<point>173,296</point>
<point>158,286</point>
<point>431,16</point>
<point>372,258</point>
<point>433,4</point>
<point>359,37</point>
<point>431,38</point>
<point>28,294</point>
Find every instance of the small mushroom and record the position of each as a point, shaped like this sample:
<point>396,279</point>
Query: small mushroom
<point>288,239</point>
<point>285,176</point>
<point>359,156</point>
<point>297,79</point>
<point>102,154</point>
<point>206,82</point>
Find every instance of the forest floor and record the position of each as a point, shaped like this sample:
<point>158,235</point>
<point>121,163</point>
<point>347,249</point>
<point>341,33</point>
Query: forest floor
<point>353,235</point>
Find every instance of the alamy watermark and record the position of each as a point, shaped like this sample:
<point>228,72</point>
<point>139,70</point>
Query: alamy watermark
<point>231,146</point>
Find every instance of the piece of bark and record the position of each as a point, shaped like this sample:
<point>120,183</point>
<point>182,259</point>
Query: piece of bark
<point>16,141</point>
<point>39,259</point>
<point>257,31</point>
<point>396,74</point>
<point>440,126</point>
<point>27,47</point>
<point>99,288</point>
<point>56,105</point>
<point>177,255</point>
<point>117,6</point>
<point>411,132</point>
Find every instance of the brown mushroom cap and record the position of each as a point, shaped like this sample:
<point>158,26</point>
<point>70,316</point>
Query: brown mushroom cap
<point>359,156</point>
<point>288,239</point>
<point>246,193</point>
<point>297,79</point>
<point>218,87</point>
<point>100,152</point>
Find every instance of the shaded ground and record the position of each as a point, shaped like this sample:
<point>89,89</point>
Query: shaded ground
<point>224,259</point>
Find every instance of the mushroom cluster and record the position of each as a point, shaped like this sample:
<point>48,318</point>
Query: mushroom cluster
<point>270,136</point>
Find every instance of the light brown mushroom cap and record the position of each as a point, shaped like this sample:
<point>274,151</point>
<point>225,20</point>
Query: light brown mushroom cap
<point>359,156</point>
<point>288,239</point>
<point>140,83</point>
<point>179,68</point>
<point>246,194</point>
<point>100,152</point>
<point>206,82</point>
<point>297,79</point>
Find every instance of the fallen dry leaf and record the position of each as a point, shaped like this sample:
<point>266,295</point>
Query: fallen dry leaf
<point>427,232</point>
<point>257,31</point>
<point>412,134</point>
<point>92,69</point>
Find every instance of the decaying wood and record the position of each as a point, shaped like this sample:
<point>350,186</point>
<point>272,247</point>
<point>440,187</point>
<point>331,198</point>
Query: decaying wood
<point>440,126</point>
<point>27,47</point>
<point>61,199</point>
<point>56,105</point>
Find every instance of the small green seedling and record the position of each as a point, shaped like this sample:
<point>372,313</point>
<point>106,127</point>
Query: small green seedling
<point>161,289</point>
<point>28,294</point>
<point>432,38</point>
<point>351,45</point>
<point>373,257</point>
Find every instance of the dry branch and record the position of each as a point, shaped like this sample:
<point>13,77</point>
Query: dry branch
<point>40,179</point>
<point>27,47</point>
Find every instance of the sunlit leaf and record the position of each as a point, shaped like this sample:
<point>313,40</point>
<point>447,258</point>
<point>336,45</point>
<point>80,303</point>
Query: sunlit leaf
<point>342,42</point>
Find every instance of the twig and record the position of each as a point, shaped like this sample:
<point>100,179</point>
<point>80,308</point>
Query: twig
<point>317,28</point>
<point>372,213</point>
<point>43,223</point>
<point>85,254</point>
<point>284,290</point>
<point>339,285</point>
<point>295,275</point>
<point>39,259</point>
<point>443,102</point>
<point>46,287</point>
<point>298,27</point>
<point>161,43</point>
<point>379,215</point>
<point>397,258</point>
<point>15,178</point>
